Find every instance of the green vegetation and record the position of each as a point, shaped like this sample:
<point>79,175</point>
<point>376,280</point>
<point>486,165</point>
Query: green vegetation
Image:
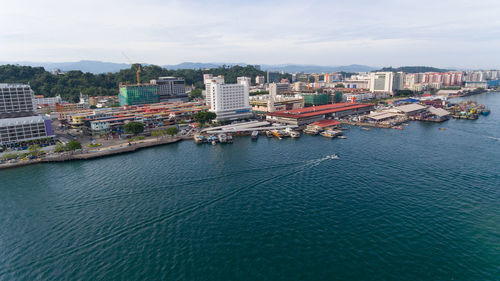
<point>195,94</point>
<point>138,138</point>
<point>94,145</point>
<point>203,117</point>
<point>9,156</point>
<point>72,83</point>
<point>59,147</point>
<point>403,93</point>
<point>413,69</point>
<point>34,150</point>
<point>258,93</point>
<point>171,131</point>
<point>134,128</point>
<point>73,145</point>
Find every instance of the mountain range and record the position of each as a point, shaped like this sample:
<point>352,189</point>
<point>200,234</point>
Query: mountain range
<point>104,67</point>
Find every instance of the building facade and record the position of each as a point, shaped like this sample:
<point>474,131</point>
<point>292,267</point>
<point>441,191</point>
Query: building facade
<point>16,100</point>
<point>171,89</point>
<point>381,81</point>
<point>273,77</point>
<point>228,101</point>
<point>138,94</point>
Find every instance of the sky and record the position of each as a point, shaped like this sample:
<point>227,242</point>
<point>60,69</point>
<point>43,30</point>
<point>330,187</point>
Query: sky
<point>440,33</point>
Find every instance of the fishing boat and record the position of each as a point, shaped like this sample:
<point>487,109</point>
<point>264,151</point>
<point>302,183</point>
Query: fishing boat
<point>342,137</point>
<point>294,134</point>
<point>255,135</point>
<point>269,134</point>
<point>485,111</point>
<point>397,127</point>
<point>229,138</point>
<point>310,131</point>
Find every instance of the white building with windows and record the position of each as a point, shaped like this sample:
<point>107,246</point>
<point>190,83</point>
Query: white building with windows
<point>381,82</point>
<point>228,101</point>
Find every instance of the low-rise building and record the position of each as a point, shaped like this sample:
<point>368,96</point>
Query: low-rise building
<point>21,129</point>
<point>307,115</point>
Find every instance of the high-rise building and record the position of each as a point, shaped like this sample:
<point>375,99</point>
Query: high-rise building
<point>398,83</point>
<point>278,88</point>
<point>138,94</point>
<point>273,77</point>
<point>228,101</point>
<point>16,100</point>
<point>171,89</point>
<point>381,81</point>
<point>18,121</point>
<point>260,79</point>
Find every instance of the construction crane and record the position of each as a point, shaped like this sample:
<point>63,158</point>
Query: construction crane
<point>137,67</point>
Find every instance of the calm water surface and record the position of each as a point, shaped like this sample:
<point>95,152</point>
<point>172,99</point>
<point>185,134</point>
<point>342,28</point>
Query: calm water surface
<point>416,204</point>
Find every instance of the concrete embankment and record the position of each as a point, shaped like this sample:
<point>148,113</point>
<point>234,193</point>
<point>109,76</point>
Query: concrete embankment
<point>103,152</point>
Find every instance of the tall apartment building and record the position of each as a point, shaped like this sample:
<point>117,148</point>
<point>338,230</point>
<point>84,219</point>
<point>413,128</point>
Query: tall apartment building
<point>228,101</point>
<point>273,77</point>
<point>398,83</point>
<point>381,81</point>
<point>138,94</point>
<point>18,121</point>
<point>16,100</point>
<point>171,89</point>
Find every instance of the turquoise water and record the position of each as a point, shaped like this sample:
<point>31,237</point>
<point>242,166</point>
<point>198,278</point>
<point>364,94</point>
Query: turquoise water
<point>416,204</point>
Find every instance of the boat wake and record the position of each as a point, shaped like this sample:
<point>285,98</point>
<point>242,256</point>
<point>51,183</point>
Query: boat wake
<point>494,138</point>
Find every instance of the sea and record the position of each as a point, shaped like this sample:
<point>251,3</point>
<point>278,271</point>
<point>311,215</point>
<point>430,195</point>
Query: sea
<point>414,204</point>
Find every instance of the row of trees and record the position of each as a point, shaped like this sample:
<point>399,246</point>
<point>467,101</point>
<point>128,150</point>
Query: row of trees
<point>70,84</point>
<point>70,146</point>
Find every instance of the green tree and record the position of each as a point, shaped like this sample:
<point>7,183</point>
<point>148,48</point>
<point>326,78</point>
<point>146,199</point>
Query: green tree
<point>34,150</point>
<point>171,131</point>
<point>73,145</point>
<point>59,147</point>
<point>9,156</point>
<point>195,94</point>
<point>204,116</point>
<point>134,128</point>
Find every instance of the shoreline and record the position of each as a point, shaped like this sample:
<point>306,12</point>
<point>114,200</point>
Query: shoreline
<point>71,156</point>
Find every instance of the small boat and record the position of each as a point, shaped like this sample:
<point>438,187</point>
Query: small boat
<point>222,138</point>
<point>229,138</point>
<point>342,137</point>
<point>397,127</point>
<point>294,134</point>
<point>277,134</point>
<point>255,135</point>
<point>334,156</point>
<point>214,142</point>
<point>485,111</point>
<point>366,129</point>
<point>330,133</point>
<point>269,134</point>
<point>199,139</point>
<point>406,124</point>
<point>311,131</point>
<point>442,129</point>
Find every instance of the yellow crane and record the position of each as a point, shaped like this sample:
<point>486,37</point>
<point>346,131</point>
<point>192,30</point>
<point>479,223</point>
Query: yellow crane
<point>137,67</point>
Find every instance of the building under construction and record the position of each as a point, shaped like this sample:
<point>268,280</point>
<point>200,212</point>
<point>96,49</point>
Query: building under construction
<point>138,94</point>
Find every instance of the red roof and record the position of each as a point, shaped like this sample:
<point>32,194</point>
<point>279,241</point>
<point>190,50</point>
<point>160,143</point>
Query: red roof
<point>326,123</point>
<point>318,110</point>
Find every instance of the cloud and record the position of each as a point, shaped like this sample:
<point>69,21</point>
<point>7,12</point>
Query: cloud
<point>439,33</point>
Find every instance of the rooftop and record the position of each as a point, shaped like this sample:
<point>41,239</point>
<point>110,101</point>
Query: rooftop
<point>318,110</point>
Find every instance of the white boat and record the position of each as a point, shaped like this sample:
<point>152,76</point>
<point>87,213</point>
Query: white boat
<point>229,138</point>
<point>255,135</point>
<point>294,134</point>
<point>331,133</point>
<point>222,138</point>
<point>342,137</point>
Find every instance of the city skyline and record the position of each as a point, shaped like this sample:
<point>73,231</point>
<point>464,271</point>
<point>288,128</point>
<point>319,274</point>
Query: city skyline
<point>259,32</point>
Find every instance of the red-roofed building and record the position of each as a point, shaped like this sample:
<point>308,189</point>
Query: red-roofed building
<point>307,115</point>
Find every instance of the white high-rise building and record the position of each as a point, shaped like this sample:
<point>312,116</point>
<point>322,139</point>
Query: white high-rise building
<point>381,81</point>
<point>228,101</point>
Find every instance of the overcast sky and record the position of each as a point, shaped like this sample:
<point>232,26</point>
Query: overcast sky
<point>378,33</point>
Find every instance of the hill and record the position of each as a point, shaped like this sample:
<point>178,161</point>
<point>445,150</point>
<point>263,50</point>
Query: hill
<point>413,69</point>
<point>70,84</point>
